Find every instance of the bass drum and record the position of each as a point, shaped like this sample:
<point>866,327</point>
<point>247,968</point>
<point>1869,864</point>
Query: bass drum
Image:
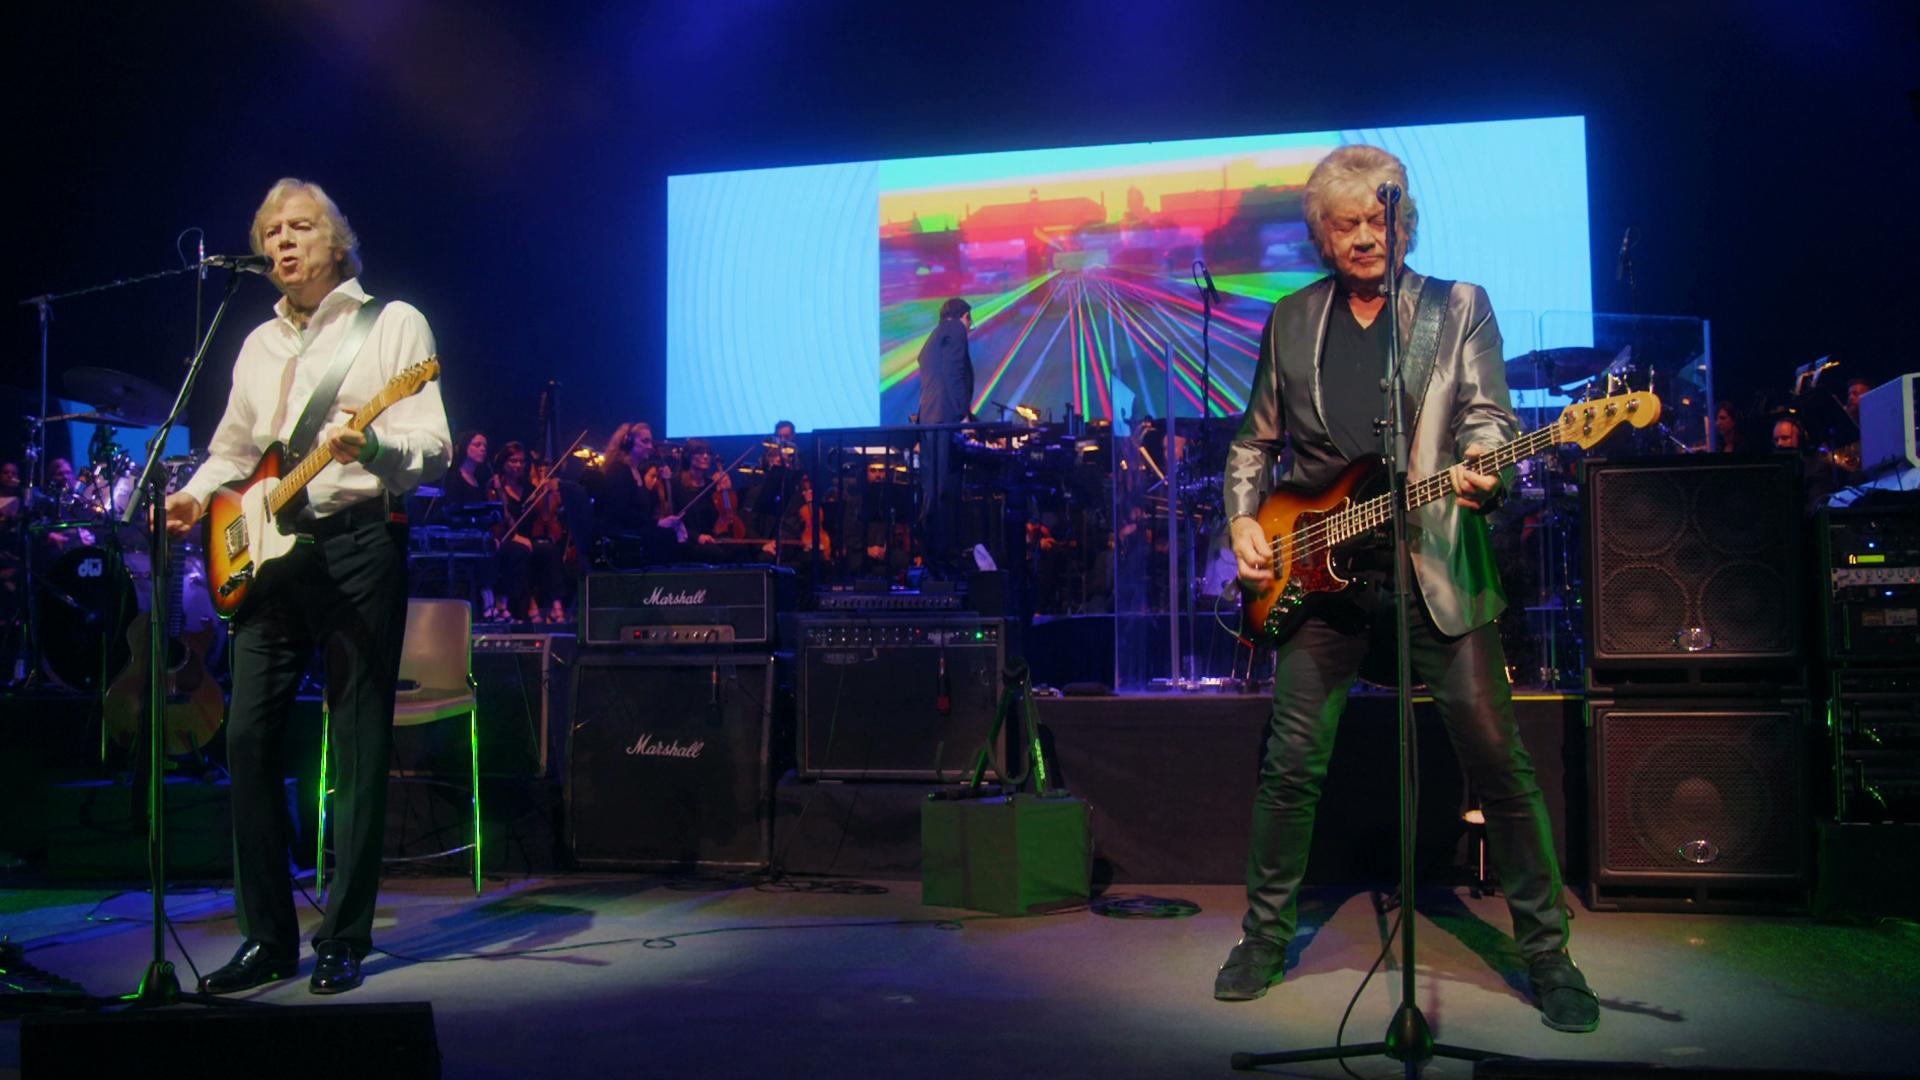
<point>85,601</point>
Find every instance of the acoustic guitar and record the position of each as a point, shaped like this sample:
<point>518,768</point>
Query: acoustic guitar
<point>195,706</point>
<point>1307,530</point>
<point>247,521</point>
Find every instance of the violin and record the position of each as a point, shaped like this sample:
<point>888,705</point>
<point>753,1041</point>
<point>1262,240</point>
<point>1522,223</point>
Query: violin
<point>729,525</point>
<point>545,521</point>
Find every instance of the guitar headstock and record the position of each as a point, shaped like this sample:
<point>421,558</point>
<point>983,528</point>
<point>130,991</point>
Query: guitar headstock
<point>1588,422</point>
<point>412,380</point>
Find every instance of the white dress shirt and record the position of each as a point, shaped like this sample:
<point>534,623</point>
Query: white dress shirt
<point>412,432</point>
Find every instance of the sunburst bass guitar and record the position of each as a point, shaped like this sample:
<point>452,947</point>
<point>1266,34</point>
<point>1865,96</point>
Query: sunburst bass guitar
<point>246,522</point>
<point>1308,529</point>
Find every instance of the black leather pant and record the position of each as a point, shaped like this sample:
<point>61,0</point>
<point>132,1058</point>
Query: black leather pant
<point>1467,675</point>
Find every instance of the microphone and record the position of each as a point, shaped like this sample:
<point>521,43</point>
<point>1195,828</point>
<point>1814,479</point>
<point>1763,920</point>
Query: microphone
<point>1212,294</point>
<point>1388,193</point>
<point>1625,265</point>
<point>203,255</point>
<point>246,264</point>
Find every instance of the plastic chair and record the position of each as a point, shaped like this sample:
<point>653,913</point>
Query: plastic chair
<point>436,671</point>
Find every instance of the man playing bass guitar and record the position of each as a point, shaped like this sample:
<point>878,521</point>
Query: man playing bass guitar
<point>341,588</point>
<point>1317,389</point>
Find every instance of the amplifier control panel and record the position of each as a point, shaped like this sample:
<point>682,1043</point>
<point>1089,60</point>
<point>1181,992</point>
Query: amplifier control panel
<point>863,634</point>
<point>662,634</point>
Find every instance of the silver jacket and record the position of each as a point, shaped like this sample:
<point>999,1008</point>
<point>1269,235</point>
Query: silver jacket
<point>1466,404</point>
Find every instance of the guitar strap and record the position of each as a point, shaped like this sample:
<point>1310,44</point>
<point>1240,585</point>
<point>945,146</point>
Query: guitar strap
<point>320,405</point>
<point>1423,344</point>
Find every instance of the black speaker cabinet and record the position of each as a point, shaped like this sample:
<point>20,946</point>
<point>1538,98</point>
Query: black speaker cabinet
<point>907,697</point>
<point>1694,571</point>
<point>521,682</point>
<point>1699,802</point>
<point>395,1040</point>
<point>667,761</point>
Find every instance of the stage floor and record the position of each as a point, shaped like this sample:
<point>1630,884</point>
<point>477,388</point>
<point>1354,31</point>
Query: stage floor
<point>655,976</point>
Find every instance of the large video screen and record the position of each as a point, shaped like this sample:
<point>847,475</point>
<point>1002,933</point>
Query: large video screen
<point>805,293</point>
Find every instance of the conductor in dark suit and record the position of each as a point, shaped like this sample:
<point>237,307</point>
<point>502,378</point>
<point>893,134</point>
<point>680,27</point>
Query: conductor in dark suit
<point>946,397</point>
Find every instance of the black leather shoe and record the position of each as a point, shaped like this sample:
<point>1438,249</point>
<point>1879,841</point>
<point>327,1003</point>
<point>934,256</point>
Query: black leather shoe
<point>335,969</point>
<point>1566,1002</point>
<point>254,964</point>
<point>1251,967</point>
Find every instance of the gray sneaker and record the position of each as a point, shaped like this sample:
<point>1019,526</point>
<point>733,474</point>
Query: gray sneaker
<point>1251,967</point>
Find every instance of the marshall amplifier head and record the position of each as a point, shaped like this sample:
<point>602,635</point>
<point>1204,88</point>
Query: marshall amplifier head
<point>707,607</point>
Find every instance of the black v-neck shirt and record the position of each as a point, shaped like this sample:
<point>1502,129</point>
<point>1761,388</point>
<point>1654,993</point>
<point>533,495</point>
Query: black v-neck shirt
<point>1351,367</point>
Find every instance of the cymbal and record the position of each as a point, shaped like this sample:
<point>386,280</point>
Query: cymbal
<point>108,419</point>
<point>1556,367</point>
<point>113,391</point>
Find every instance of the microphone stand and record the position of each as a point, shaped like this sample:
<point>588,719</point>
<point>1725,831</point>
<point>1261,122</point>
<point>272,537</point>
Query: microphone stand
<point>159,986</point>
<point>1409,1040</point>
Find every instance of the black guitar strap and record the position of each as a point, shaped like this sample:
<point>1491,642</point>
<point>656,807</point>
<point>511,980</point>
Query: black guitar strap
<point>320,405</point>
<point>1423,345</point>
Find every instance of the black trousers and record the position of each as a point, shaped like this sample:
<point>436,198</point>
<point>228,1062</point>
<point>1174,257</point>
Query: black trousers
<point>345,595</point>
<point>939,498</point>
<point>1467,674</point>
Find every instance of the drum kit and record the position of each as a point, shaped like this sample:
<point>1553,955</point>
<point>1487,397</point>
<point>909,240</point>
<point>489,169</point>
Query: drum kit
<point>88,572</point>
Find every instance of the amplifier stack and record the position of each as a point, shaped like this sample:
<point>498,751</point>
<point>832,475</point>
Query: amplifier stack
<point>1698,709</point>
<point>1869,847</point>
<point>674,743</point>
<point>1871,603</point>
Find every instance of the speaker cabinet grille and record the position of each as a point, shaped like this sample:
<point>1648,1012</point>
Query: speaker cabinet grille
<point>1693,563</point>
<point>906,697</point>
<point>1692,791</point>
<point>667,761</point>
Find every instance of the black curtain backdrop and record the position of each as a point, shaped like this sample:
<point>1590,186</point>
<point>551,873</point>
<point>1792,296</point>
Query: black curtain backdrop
<point>505,164</point>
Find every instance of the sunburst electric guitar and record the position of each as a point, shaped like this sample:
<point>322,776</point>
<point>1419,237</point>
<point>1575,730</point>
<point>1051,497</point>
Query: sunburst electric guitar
<point>246,521</point>
<point>1308,529</point>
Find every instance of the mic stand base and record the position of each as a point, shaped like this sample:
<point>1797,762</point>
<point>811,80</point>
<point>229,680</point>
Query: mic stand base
<point>1408,1040</point>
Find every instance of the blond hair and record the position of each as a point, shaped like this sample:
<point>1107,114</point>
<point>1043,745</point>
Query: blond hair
<point>1356,172</point>
<point>340,235</point>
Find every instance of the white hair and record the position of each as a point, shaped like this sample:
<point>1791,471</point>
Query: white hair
<point>340,235</point>
<point>1356,172</point>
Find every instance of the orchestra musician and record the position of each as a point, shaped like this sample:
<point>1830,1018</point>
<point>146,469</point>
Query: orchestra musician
<point>340,592</point>
<point>695,489</point>
<point>634,495</point>
<point>529,558</point>
<point>1317,389</point>
<point>874,517</point>
<point>466,497</point>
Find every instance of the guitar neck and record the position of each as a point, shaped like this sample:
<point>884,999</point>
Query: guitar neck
<point>317,458</point>
<point>1375,511</point>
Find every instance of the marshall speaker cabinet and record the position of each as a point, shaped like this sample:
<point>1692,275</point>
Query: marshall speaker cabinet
<point>668,760</point>
<point>895,697</point>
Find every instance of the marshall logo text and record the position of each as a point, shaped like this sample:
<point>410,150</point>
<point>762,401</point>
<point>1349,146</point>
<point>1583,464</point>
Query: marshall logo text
<point>647,746</point>
<point>660,597</point>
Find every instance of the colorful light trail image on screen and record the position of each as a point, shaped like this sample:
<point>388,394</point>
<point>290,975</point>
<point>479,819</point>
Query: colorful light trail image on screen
<point>806,293</point>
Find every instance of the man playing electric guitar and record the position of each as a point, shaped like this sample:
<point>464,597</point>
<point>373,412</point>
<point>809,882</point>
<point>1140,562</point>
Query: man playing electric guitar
<point>1318,388</point>
<point>340,588</point>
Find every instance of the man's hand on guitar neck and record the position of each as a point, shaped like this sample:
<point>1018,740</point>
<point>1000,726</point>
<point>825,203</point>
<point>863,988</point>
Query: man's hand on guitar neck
<point>347,445</point>
<point>1471,489</point>
<point>1251,552</point>
<point>183,512</point>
